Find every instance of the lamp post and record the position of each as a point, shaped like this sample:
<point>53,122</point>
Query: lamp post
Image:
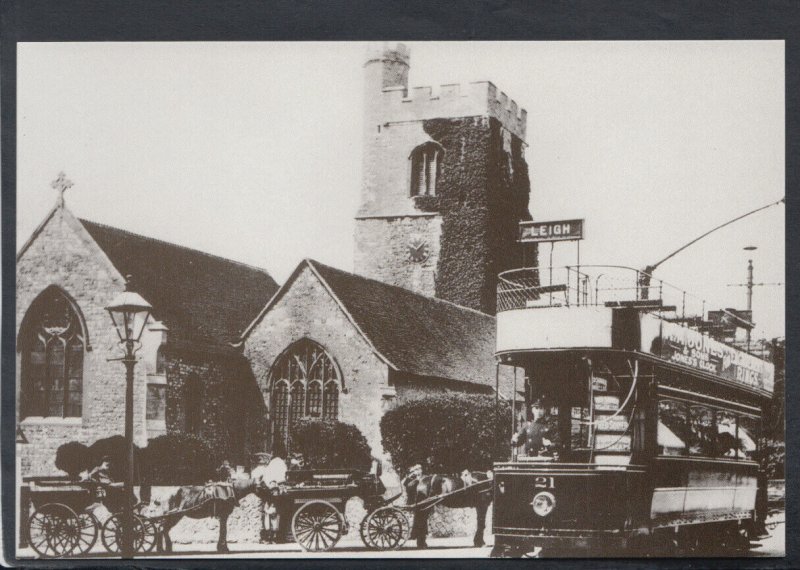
<point>129,313</point>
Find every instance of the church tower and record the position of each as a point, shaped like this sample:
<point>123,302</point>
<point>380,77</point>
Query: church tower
<point>445,184</point>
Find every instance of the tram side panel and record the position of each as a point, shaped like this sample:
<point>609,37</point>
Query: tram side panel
<point>585,501</point>
<point>688,491</point>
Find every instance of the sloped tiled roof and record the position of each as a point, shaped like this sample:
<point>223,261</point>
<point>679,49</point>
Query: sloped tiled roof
<point>417,334</point>
<point>200,297</point>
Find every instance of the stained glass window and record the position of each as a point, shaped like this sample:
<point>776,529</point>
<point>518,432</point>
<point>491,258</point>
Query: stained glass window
<point>315,386</point>
<point>53,345</point>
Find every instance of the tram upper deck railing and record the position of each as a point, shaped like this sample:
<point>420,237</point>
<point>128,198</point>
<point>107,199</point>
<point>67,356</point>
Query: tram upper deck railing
<point>620,286</point>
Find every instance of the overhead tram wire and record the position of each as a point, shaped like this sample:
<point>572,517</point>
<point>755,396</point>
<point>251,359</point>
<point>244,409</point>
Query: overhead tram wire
<point>647,273</point>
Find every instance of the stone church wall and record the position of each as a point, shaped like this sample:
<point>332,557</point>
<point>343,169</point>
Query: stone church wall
<point>232,414</point>
<point>308,311</point>
<point>382,251</point>
<point>61,255</point>
<point>471,225</point>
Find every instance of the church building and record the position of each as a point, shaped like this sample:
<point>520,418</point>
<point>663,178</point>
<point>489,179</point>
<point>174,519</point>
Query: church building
<point>231,357</point>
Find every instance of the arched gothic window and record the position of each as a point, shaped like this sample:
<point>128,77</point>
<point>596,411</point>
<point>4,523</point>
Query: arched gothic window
<point>52,344</point>
<point>425,167</point>
<point>304,383</point>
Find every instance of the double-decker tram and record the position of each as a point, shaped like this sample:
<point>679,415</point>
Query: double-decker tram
<point>643,433</point>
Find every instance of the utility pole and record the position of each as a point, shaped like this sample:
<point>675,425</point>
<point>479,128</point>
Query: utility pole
<point>749,284</point>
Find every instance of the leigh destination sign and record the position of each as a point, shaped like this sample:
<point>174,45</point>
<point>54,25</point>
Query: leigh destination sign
<point>563,230</point>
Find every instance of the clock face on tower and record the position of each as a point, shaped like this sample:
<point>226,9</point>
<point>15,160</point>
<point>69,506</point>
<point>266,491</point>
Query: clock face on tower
<point>417,250</point>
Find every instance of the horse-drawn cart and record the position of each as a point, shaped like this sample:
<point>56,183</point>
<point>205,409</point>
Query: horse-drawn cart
<point>315,502</point>
<point>63,522</point>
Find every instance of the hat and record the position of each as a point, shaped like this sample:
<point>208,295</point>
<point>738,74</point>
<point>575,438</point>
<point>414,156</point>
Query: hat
<point>539,401</point>
<point>262,458</point>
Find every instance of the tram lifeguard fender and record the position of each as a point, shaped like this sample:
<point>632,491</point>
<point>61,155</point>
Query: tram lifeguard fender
<point>554,327</point>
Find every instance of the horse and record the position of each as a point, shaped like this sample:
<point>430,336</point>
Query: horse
<point>200,502</point>
<point>421,487</point>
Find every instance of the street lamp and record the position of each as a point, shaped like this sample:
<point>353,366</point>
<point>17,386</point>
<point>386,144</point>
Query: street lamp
<point>129,313</point>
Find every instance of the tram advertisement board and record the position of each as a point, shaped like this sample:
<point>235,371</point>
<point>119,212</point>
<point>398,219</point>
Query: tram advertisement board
<point>692,348</point>
<point>561,230</point>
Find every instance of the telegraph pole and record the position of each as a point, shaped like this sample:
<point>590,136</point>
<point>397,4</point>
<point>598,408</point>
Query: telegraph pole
<point>749,284</point>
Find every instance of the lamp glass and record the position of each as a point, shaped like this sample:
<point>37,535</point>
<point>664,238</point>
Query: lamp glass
<point>129,312</point>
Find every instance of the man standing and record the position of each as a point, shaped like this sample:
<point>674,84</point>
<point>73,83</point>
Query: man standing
<point>536,435</point>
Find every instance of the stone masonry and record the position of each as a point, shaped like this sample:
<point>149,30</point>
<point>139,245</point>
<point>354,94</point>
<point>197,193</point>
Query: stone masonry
<point>63,255</point>
<point>308,311</point>
<point>482,189</point>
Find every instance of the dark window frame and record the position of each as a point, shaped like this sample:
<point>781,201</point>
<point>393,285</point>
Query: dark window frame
<point>426,168</point>
<point>53,348</point>
<point>293,381</point>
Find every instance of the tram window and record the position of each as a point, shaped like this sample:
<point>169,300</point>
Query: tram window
<point>579,431</point>
<point>672,428</point>
<point>726,434</point>
<point>701,436</point>
<point>747,434</point>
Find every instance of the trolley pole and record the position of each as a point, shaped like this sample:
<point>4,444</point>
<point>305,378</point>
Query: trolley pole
<point>749,296</point>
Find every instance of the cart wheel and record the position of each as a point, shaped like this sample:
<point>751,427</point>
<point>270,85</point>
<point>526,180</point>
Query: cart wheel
<point>149,535</point>
<point>317,526</point>
<point>53,530</point>
<point>111,534</point>
<point>87,532</point>
<point>385,529</point>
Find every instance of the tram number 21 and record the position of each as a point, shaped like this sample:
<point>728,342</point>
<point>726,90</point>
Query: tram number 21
<point>543,483</point>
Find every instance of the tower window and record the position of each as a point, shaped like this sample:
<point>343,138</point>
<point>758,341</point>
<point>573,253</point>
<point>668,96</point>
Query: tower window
<point>425,167</point>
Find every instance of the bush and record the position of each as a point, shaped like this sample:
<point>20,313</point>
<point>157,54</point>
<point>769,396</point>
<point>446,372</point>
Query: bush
<point>73,457</point>
<point>447,433</point>
<point>773,458</point>
<point>176,459</point>
<point>115,448</point>
<point>330,444</point>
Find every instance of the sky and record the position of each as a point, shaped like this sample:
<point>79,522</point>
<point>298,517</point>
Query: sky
<point>252,151</point>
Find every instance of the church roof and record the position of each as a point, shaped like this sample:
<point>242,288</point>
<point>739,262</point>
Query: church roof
<point>200,297</point>
<point>413,333</point>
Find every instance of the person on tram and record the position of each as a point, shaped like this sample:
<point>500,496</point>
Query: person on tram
<point>539,435</point>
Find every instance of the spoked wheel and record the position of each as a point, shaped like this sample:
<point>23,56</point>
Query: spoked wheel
<point>386,528</point>
<point>149,535</point>
<point>88,527</point>
<point>144,535</point>
<point>317,526</point>
<point>53,530</point>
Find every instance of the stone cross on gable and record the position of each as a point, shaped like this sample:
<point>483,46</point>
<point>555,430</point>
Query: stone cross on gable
<point>62,184</point>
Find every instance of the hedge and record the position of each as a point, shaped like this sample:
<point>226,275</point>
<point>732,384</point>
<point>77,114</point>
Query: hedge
<point>330,444</point>
<point>447,433</point>
<point>176,459</point>
<point>172,459</point>
<point>74,458</point>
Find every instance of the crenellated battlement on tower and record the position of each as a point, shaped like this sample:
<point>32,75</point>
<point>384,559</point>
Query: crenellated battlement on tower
<point>453,100</point>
